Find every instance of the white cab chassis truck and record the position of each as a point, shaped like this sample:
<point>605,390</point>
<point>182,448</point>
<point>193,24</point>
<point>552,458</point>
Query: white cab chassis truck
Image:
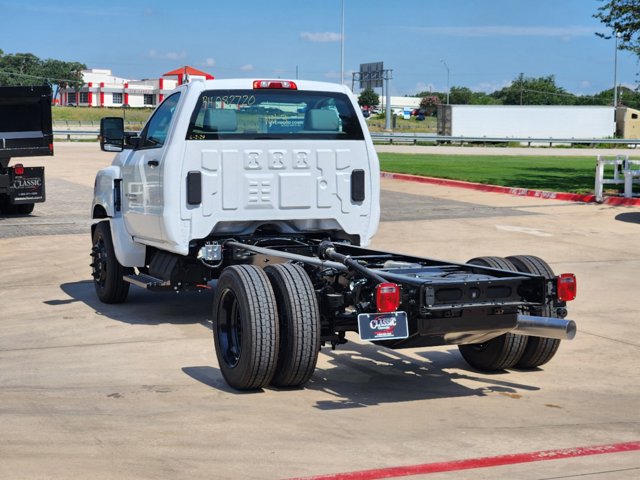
<point>268,191</point>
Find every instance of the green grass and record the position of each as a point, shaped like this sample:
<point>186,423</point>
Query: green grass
<point>94,114</point>
<point>557,174</point>
<point>428,125</point>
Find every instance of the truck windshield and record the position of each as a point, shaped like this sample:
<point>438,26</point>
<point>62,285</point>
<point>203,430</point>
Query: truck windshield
<point>273,114</point>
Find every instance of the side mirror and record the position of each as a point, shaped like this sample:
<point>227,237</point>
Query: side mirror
<point>112,134</point>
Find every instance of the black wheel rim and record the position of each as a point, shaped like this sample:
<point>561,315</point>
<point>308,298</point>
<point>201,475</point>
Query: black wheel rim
<point>99,264</point>
<point>479,347</point>
<point>229,328</point>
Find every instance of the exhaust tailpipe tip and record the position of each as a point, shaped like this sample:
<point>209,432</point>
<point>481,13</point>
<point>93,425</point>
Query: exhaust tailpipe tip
<point>547,327</point>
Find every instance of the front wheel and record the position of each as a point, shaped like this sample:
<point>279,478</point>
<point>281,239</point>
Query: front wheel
<point>245,327</point>
<point>106,271</point>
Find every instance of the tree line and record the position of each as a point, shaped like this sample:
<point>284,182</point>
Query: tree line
<point>535,91</point>
<point>27,69</point>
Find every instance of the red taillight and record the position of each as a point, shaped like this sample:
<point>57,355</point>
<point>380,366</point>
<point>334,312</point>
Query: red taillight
<point>387,297</point>
<point>567,287</point>
<point>281,84</point>
<point>51,148</point>
<point>18,169</point>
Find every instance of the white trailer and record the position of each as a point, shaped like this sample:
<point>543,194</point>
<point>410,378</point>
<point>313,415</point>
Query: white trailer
<point>515,121</point>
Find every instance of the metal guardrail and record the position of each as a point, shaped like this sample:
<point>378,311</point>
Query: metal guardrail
<point>415,138</point>
<point>433,138</point>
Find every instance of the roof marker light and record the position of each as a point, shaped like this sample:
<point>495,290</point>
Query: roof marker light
<point>274,84</point>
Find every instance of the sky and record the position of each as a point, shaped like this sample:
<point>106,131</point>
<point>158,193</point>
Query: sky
<point>485,44</point>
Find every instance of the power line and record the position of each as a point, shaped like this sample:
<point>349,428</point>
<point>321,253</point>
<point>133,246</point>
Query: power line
<point>9,72</point>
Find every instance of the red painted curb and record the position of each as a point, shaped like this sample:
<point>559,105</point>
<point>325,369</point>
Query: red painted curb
<point>522,192</point>
<point>483,462</point>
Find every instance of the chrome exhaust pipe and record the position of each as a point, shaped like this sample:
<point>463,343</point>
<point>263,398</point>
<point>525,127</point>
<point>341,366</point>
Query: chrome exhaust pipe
<point>547,327</point>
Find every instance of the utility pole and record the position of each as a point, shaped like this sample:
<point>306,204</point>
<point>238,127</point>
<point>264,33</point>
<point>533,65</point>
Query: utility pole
<point>387,75</point>
<point>448,89</point>
<point>342,43</point>
<point>616,35</point>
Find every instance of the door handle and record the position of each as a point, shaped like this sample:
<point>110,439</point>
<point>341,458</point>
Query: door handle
<point>153,163</point>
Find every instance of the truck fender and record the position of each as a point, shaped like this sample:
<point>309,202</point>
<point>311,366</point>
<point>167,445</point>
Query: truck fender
<point>128,252</point>
<point>104,193</point>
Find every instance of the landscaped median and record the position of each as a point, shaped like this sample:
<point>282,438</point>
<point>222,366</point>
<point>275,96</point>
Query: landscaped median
<point>562,178</point>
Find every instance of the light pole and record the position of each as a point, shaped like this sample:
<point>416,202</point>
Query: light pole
<point>616,35</point>
<point>342,43</point>
<point>447,67</point>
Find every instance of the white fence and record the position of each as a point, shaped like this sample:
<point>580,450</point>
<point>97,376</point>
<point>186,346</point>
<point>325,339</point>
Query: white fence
<point>624,173</point>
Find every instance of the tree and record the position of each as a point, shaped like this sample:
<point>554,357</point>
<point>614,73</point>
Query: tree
<point>27,69</point>
<point>368,98</point>
<point>623,18</point>
<point>441,95</point>
<point>534,91</point>
<point>430,104</point>
<point>64,74</point>
<point>20,69</point>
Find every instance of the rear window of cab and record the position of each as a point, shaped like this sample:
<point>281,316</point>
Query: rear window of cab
<point>273,114</point>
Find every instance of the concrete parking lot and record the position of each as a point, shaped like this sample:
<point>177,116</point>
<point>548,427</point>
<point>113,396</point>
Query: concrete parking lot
<point>97,391</point>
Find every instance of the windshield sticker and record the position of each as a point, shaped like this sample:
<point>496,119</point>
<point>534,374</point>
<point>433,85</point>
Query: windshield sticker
<point>228,100</point>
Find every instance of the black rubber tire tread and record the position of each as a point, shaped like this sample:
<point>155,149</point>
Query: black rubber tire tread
<point>501,352</point>
<point>256,304</point>
<point>538,350</point>
<point>493,262</point>
<point>299,324</point>
<point>114,289</point>
<point>8,208</point>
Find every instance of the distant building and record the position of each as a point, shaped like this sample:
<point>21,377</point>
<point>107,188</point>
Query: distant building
<point>627,123</point>
<point>102,89</point>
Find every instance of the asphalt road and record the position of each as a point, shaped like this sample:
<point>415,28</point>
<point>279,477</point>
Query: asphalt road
<point>133,391</point>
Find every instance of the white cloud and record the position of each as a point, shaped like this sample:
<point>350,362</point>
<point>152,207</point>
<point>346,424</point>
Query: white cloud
<point>209,62</point>
<point>167,55</point>
<point>425,87</point>
<point>509,31</point>
<point>58,9</point>
<point>247,68</point>
<point>490,87</point>
<point>320,37</point>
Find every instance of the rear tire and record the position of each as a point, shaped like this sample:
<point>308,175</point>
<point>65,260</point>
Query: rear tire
<point>501,352</point>
<point>299,324</point>
<point>538,350</point>
<point>21,209</point>
<point>245,327</point>
<point>107,272</point>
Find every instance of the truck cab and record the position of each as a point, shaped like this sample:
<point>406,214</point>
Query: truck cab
<point>250,155</point>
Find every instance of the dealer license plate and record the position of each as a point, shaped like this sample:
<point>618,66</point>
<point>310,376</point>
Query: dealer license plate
<point>383,326</point>
<point>28,187</point>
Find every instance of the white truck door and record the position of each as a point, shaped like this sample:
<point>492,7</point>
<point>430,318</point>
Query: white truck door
<point>143,202</point>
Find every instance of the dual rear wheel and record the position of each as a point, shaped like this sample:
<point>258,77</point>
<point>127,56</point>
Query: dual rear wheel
<point>512,350</point>
<point>266,326</point>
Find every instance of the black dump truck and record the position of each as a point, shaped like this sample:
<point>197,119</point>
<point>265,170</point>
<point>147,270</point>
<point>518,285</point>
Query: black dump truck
<point>25,131</point>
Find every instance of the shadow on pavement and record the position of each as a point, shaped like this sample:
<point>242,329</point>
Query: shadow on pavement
<point>358,375</point>
<point>366,375</point>
<point>143,307</point>
<point>629,217</point>
<point>212,377</point>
